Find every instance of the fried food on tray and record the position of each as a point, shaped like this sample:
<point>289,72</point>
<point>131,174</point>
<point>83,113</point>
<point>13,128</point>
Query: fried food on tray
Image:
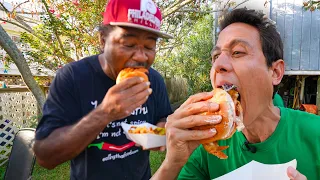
<point>145,130</point>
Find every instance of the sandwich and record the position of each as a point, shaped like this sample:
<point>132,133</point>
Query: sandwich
<point>132,72</point>
<point>232,119</point>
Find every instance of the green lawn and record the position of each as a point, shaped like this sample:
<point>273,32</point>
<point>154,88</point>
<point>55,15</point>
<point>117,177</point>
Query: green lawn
<point>62,171</point>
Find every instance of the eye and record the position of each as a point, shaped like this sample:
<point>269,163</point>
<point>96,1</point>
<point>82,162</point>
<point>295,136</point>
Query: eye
<point>238,53</point>
<point>215,56</point>
<point>149,47</point>
<point>129,45</point>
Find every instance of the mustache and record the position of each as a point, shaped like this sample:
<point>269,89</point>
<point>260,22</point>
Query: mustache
<point>136,65</point>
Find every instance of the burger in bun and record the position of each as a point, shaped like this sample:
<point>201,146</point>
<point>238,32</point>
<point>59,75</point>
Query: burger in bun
<point>132,72</point>
<point>232,120</point>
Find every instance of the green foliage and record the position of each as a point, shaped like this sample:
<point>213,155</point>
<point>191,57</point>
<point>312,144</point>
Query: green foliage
<point>68,32</point>
<point>311,5</point>
<point>192,58</point>
<point>74,25</point>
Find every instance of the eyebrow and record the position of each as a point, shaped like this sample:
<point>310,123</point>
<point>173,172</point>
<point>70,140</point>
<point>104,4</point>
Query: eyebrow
<point>128,35</point>
<point>232,43</point>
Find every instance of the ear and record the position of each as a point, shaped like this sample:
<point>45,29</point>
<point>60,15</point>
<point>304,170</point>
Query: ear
<point>102,41</point>
<point>277,71</point>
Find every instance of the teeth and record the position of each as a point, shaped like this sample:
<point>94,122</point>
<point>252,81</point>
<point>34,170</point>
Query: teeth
<point>228,87</point>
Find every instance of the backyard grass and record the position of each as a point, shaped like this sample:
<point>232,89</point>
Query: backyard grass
<point>63,171</point>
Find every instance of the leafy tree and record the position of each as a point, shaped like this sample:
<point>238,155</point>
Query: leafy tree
<point>68,28</point>
<point>311,5</point>
<point>67,32</point>
<point>192,59</point>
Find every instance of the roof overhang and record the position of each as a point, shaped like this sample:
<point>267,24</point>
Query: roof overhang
<point>307,73</point>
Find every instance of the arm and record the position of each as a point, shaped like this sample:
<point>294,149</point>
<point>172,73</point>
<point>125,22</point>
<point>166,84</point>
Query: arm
<point>181,141</point>
<point>65,142</point>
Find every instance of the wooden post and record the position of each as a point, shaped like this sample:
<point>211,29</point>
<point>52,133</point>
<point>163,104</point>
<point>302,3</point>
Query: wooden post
<point>318,95</point>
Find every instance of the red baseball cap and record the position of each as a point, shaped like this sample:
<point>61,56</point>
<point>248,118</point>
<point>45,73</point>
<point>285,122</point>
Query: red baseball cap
<point>141,14</point>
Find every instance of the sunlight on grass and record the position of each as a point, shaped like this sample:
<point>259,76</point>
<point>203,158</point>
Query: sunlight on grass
<point>63,171</point>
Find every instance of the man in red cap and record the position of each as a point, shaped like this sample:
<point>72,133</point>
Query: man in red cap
<point>85,107</point>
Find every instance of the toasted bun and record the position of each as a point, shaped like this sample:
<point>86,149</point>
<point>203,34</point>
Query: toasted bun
<point>226,110</point>
<point>232,119</point>
<point>132,72</point>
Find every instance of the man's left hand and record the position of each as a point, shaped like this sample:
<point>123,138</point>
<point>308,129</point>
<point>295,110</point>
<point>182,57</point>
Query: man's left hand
<point>293,174</point>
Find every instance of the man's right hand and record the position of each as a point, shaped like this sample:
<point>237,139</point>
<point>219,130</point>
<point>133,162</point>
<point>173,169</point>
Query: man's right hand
<point>181,141</point>
<point>123,98</point>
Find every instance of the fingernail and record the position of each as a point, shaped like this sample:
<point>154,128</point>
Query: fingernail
<point>147,83</point>
<point>292,172</point>
<point>213,131</point>
<point>150,90</point>
<point>214,119</point>
<point>141,79</point>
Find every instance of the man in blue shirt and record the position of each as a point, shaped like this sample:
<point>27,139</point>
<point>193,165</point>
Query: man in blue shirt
<point>85,107</point>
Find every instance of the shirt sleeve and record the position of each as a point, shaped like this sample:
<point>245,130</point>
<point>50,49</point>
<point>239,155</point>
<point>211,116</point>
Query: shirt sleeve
<point>196,167</point>
<point>61,108</point>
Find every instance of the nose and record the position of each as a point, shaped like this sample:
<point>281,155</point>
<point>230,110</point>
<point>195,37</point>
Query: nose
<point>223,63</point>
<point>140,55</point>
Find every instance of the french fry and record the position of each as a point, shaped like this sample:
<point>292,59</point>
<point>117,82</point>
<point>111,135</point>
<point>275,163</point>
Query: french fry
<point>145,130</point>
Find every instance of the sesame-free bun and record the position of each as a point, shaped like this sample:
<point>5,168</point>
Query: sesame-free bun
<point>231,113</point>
<point>132,72</point>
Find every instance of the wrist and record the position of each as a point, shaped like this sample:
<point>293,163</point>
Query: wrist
<point>103,116</point>
<point>172,166</point>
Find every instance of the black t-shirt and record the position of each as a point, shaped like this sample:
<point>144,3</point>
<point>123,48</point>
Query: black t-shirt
<point>76,90</point>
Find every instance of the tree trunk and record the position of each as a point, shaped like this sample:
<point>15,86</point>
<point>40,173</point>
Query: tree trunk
<point>13,51</point>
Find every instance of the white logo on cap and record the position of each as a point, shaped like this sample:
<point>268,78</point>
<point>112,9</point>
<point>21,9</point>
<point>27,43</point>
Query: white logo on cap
<point>146,15</point>
<point>148,5</point>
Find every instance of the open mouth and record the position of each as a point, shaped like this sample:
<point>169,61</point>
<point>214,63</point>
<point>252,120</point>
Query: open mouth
<point>229,87</point>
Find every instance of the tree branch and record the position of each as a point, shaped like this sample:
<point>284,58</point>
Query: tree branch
<point>20,12</point>
<point>202,12</point>
<point>240,4</point>
<point>18,58</point>
<point>19,5</point>
<point>69,59</point>
<point>173,9</point>
<point>3,8</point>
<point>226,4</point>
<point>24,28</point>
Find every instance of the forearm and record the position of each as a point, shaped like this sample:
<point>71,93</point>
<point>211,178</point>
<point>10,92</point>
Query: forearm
<point>167,171</point>
<point>66,143</point>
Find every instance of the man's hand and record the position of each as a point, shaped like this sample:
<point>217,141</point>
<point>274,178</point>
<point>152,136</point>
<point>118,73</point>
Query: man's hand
<point>123,98</point>
<point>181,141</point>
<point>293,174</point>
